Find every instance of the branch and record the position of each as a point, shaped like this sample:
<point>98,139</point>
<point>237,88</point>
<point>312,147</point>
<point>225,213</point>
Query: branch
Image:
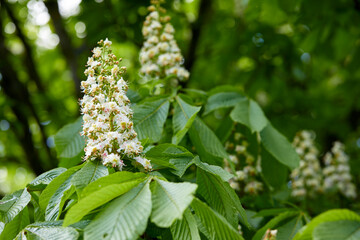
<point>205,11</point>
<point>357,5</point>
<point>29,61</point>
<point>65,43</point>
<point>21,105</point>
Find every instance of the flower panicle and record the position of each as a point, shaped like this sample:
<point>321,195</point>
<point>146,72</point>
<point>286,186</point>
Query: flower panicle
<point>246,178</point>
<point>337,172</point>
<point>107,116</point>
<point>160,56</point>
<point>307,178</point>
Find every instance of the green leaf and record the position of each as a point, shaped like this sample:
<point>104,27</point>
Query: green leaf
<point>215,224</point>
<point>337,230</point>
<point>115,178</point>
<point>206,142</point>
<point>222,100</point>
<point>216,170</point>
<point>38,215</point>
<point>186,228</point>
<point>278,146</point>
<point>274,172</point>
<point>54,185</point>
<point>249,113</point>
<point>270,212</point>
<point>124,218</point>
<point>290,228</point>
<point>273,223</point>
<point>68,141</point>
<point>169,201</point>
<point>184,116</point>
<point>149,118</point>
<point>12,205</point>
<point>57,201</point>
<point>54,195</point>
<point>170,155</point>
<point>44,231</point>
<point>90,172</point>
<point>329,216</point>
<point>220,197</point>
<point>44,179</point>
<point>98,198</point>
<point>2,225</point>
<point>12,228</point>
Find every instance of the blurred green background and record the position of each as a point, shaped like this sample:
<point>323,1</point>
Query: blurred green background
<point>299,59</point>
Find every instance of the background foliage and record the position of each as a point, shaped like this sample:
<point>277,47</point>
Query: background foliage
<point>298,59</point>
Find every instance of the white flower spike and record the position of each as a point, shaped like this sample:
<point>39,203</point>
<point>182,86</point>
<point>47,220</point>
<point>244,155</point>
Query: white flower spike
<point>107,114</point>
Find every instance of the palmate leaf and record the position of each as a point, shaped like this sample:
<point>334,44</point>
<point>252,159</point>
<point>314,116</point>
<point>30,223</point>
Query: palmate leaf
<point>273,223</point>
<point>97,197</point>
<point>68,141</point>
<point>214,225</point>
<point>222,100</point>
<point>337,230</point>
<point>2,225</point>
<point>278,146</point>
<point>249,113</point>
<point>290,228</point>
<point>206,143</point>
<point>54,195</point>
<point>47,230</point>
<point>274,172</point>
<point>329,216</point>
<point>57,201</point>
<point>184,115</point>
<point>169,155</point>
<point>115,178</point>
<point>90,172</point>
<point>12,228</point>
<point>11,205</point>
<point>220,196</point>
<point>186,228</point>
<point>54,185</point>
<point>169,201</point>
<point>215,170</point>
<point>149,118</point>
<point>124,218</point>
<point>44,179</point>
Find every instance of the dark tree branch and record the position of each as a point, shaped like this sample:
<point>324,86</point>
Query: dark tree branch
<point>65,43</point>
<point>205,11</point>
<point>357,5</point>
<point>19,96</point>
<point>29,61</point>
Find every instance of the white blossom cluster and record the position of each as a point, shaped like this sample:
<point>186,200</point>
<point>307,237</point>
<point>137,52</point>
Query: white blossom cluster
<point>107,116</point>
<point>307,179</point>
<point>337,177</point>
<point>245,179</point>
<point>270,234</point>
<point>160,56</point>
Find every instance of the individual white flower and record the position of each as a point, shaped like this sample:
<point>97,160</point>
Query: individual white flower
<point>107,43</point>
<point>97,52</point>
<point>107,114</point>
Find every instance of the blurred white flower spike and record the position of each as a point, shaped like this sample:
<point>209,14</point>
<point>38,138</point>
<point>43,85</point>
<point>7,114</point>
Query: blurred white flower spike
<point>307,179</point>
<point>160,56</point>
<point>337,172</point>
<point>107,116</point>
